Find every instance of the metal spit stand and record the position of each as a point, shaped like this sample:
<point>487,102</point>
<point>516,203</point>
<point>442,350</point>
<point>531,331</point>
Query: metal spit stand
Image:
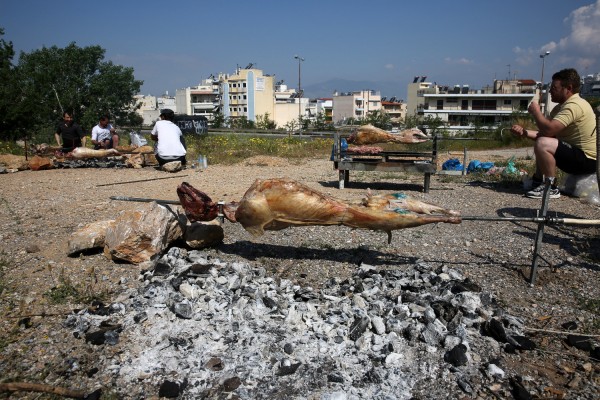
<point>539,235</point>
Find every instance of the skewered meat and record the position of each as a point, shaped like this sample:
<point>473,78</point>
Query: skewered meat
<point>276,204</point>
<point>365,149</point>
<point>369,134</point>
<point>84,152</point>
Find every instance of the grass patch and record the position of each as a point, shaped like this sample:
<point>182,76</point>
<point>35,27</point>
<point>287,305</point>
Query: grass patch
<point>231,149</point>
<point>65,290</point>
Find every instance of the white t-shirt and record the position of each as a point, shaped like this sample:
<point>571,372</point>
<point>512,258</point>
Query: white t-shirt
<point>99,134</point>
<point>169,139</point>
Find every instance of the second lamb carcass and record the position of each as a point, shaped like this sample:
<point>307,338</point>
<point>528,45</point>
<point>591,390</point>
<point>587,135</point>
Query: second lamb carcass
<point>275,204</point>
<point>84,152</point>
<point>369,134</point>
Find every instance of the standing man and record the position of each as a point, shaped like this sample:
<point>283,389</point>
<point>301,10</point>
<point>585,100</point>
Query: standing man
<point>104,136</point>
<point>69,134</point>
<point>567,139</point>
<point>170,144</point>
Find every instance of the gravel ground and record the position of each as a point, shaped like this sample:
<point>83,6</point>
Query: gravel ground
<point>39,210</point>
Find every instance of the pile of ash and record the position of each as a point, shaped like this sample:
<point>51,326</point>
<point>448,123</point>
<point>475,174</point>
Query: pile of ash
<point>198,327</point>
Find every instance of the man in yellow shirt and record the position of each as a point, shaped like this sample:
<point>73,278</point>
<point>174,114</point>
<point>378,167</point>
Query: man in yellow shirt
<point>567,139</point>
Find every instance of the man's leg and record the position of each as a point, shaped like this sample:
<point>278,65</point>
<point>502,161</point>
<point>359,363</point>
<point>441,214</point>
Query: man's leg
<point>545,163</point>
<point>115,140</point>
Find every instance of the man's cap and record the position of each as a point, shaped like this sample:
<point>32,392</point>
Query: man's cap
<point>167,112</point>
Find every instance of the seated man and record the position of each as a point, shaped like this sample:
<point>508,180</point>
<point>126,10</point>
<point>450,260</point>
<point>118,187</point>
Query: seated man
<point>104,136</point>
<point>567,139</point>
<point>69,134</point>
<point>170,144</point>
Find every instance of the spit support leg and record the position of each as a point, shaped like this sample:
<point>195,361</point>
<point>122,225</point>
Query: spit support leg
<point>539,236</point>
<point>220,215</point>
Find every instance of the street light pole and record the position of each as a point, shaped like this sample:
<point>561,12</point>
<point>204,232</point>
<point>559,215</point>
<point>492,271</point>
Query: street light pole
<point>543,57</point>
<point>300,59</point>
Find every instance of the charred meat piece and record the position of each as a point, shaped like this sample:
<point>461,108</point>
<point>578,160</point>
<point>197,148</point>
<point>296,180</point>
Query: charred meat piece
<point>198,205</point>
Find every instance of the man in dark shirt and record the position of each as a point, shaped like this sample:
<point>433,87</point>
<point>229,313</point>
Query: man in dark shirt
<point>69,134</point>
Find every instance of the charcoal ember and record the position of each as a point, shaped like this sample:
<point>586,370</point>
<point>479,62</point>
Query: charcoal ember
<point>457,356</point>
<point>569,326</point>
<point>521,342</point>
<point>580,342</point>
<point>595,354</point>
<point>230,384</point>
<point>495,329</point>
<point>358,327</point>
<point>287,369</point>
<point>169,389</point>
<point>518,390</point>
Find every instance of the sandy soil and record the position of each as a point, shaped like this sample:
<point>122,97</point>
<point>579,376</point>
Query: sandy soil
<point>39,210</point>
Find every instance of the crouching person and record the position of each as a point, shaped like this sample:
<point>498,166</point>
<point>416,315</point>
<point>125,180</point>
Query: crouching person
<point>169,139</point>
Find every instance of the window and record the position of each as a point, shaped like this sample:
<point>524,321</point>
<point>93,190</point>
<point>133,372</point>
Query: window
<point>465,105</point>
<point>484,104</point>
<point>507,102</point>
<point>440,104</point>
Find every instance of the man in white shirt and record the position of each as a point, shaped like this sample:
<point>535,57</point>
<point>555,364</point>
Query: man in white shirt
<point>170,143</point>
<point>104,136</point>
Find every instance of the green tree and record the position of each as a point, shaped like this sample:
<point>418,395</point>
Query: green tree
<point>378,118</point>
<point>6,96</point>
<point>263,122</point>
<point>75,79</point>
<point>218,120</point>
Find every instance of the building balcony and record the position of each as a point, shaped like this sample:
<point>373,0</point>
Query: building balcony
<point>203,106</point>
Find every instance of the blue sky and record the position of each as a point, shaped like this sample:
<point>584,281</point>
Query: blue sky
<point>374,44</point>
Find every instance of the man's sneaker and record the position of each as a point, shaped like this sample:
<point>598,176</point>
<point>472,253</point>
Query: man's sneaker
<point>538,192</point>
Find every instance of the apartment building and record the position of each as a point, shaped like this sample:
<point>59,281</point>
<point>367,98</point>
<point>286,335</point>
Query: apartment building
<point>201,100</point>
<point>462,108</point>
<point>396,109</point>
<point>248,93</point>
<point>354,105</point>
<point>590,86</point>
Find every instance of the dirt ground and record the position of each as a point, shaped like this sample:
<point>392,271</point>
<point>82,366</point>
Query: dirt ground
<point>39,211</point>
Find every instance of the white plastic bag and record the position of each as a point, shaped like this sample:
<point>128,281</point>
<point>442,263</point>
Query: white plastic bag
<point>583,186</point>
<point>137,140</point>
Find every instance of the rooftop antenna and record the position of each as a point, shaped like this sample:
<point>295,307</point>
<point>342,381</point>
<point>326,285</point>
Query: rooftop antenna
<point>508,65</point>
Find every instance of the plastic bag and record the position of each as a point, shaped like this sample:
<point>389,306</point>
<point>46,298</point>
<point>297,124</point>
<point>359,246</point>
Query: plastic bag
<point>510,168</point>
<point>137,140</point>
<point>452,164</point>
<point>478,166</point>
<point>583,186</point>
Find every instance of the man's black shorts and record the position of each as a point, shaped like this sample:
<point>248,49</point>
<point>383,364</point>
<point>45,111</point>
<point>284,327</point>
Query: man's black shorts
<point>573,160</point>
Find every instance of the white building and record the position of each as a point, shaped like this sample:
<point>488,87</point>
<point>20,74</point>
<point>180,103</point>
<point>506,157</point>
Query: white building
<point>462,108</point>
<point>354,105</point>
<point>203,100</point>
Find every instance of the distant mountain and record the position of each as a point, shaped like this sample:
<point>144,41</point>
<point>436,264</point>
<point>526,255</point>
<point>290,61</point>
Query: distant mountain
<point>326,89</point>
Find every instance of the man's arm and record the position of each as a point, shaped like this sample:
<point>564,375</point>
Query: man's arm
<point>547,127</point>
<point>57,137</point>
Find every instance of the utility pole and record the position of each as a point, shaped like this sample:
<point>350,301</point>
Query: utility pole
<point>300,59</point>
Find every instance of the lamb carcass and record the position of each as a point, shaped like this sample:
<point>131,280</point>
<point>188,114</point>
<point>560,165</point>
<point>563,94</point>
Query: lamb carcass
<point>84,152</point>
<point>275,204</point>
<point>369,134</point>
